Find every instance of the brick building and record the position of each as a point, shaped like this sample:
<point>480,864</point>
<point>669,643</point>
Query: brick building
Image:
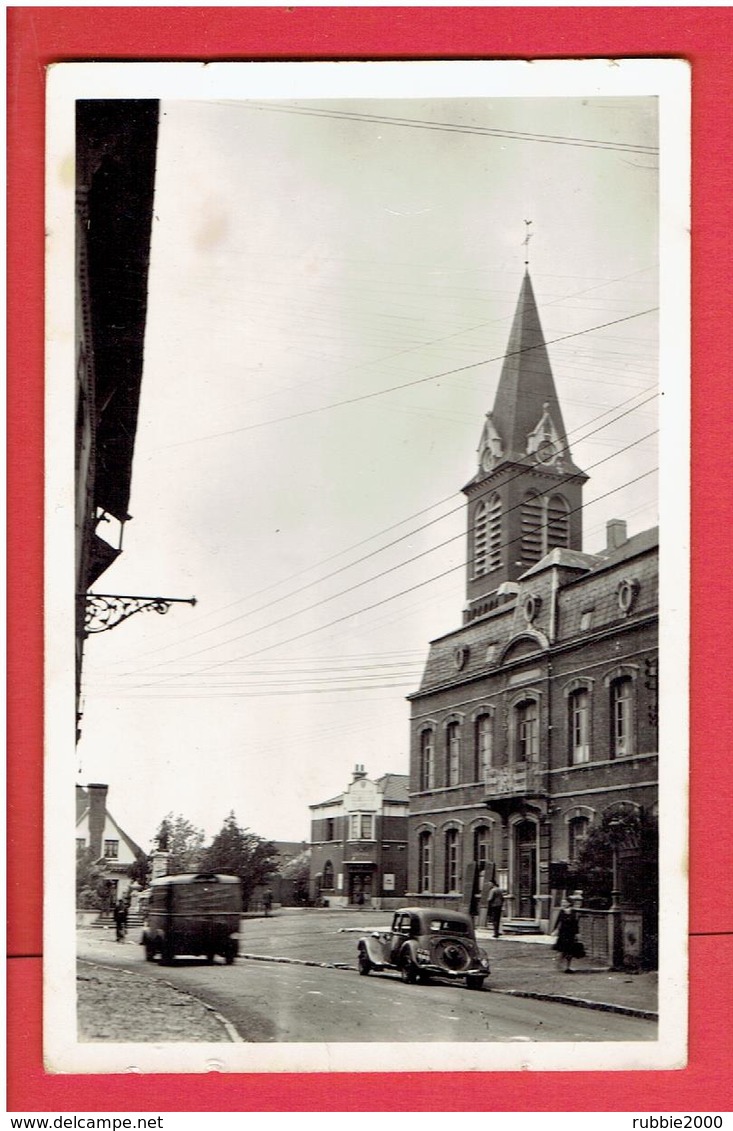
<point>359,843</point>
<point>536,720</point>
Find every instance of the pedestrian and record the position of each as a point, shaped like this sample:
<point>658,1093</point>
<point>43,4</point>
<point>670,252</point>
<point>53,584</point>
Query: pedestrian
<point>267,900</point>
<point>567,944</point>
<point>120,917</point>
<point>494,905</point>
<point>360,900</point>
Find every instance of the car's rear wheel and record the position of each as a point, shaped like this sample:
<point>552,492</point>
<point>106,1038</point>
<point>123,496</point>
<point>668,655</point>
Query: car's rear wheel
<point>474,982</point>
<point>363,962</point>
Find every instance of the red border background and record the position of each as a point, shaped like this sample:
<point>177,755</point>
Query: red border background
<point>38,37</point>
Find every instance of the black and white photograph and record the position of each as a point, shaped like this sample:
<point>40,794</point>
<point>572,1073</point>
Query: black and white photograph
<point>367,433</point>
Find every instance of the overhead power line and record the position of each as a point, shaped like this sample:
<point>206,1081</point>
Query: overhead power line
<point>357,612</point>
<point>452,127</point>
<point>414,383</point>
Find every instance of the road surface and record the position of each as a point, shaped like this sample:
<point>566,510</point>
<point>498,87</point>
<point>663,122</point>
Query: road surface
<point>278,1001</point>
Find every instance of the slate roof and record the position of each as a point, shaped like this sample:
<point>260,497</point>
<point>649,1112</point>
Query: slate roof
<point>393,787</point>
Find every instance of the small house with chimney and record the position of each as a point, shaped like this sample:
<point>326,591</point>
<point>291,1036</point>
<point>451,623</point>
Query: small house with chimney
<point>98,833</point>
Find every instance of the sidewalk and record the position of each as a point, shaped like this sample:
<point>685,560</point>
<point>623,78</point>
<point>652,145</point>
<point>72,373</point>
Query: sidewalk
<point>527,967</point>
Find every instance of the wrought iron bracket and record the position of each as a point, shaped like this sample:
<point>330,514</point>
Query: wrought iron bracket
<point>103,611</point>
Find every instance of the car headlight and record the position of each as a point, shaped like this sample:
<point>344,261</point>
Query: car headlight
<point>484,963</point>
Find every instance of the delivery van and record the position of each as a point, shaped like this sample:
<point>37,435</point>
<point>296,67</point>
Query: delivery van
<point>195,913</point>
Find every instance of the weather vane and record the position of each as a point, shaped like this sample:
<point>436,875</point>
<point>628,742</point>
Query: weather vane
<point>525,242</point>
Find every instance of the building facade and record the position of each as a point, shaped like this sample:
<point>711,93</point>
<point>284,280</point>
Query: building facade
<point>359,843</point>
<point>98,834</point>
<point>536,720</point>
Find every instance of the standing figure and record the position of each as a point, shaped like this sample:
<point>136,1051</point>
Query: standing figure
<point>120,917</point>
<point>567,929</point>
<point>267,901</point>
<point>494,905</point>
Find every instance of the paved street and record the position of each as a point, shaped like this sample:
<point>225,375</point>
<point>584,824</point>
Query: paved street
<point>273,1001</point>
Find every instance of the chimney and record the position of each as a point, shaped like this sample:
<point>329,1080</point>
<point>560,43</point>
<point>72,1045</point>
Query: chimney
<point>615,533</point>
<point>359,772</point>
<point>97,817</point>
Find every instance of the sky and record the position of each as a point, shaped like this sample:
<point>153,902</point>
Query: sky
<point>331,288</point>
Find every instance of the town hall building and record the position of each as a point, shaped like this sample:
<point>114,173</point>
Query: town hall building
<point>536,720</point>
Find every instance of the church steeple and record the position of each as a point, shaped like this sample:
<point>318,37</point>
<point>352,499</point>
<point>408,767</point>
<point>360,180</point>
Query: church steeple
<point>526,496</point>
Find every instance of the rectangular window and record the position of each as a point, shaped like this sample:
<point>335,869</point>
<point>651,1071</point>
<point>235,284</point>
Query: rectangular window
<point>451,861</point>
<point>426,760</point>
<point>579,727</point>
<point>622,717</point>
<point>362,826</point>
<point>424,862</point>
<point>454,754</point>
<point>81,844</point>
<point>527,732</point>
<point>111,849</point>
<point>586,620</point>
<point>484,735</point>
<point>329,828</point>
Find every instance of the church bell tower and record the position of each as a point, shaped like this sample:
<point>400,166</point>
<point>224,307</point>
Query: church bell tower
<point>526,496</point>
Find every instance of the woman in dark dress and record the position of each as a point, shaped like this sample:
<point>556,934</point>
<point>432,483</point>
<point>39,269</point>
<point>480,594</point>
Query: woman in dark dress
<point>567,931</point>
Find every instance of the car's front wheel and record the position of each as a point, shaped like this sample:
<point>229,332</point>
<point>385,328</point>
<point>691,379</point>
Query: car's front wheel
<point>409,970</point>
<point>474,982</point>
<point>363,962</point>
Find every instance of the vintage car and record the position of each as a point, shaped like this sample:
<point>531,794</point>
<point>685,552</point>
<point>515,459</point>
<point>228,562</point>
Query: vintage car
<point>195,913</point>
<point>424,943</point>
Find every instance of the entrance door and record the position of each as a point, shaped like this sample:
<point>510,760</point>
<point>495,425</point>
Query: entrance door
<point>360,888</point>
<point>526,868</point>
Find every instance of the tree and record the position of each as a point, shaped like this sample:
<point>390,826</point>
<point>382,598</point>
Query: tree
<point>92,882</point>
<point>183,842</point>
<point>241,853</point>
<point>631,836</point>
<point>139,870</point>
<point>296,875</point>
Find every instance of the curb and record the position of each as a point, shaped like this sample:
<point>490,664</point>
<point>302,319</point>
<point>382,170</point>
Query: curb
<point>229,1028</point>
<point>584,1003</point>
<point>560,999</point>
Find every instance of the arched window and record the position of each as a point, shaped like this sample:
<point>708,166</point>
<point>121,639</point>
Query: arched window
<point>452,868</point>
<point>483,746</point>
<point>579,725</point>
<point>622,717</point>
<point>545,524</point>
<point>425,862</point>
<point>480,531</point>
<point>327,878</point>
<point>526,731</point>
<point>427,760</point>
<point>532,523</point>
<point>453,753</point>
<point>578,828</point>
<point>558,522</point>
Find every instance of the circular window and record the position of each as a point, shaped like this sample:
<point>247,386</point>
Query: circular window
<point>626,594</point>
<point>531,607</point>
<point>460,657</point>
